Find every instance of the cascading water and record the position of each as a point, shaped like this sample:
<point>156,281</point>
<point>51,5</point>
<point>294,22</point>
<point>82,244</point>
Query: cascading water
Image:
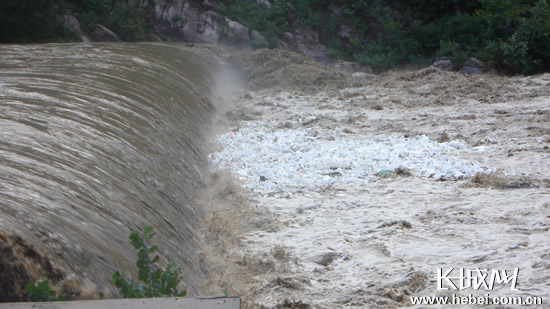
<point>99,139</point>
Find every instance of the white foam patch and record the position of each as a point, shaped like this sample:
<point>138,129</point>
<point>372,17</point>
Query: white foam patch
<point>268,158</point>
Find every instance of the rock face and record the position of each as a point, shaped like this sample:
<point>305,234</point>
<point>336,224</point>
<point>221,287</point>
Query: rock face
<point>306,42</point>
<point>197,22</point>
<point>71,22</point>
<point>472,66</point>
<point>444,64</point>
<point>190,22</point>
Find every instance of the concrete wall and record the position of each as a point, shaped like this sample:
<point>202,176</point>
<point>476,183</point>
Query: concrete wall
<point>136,303</point>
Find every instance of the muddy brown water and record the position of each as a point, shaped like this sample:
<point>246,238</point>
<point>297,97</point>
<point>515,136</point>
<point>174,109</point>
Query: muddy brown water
<point>97,140</point>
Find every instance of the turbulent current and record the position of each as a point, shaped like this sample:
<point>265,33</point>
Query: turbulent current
<point>97,140</point>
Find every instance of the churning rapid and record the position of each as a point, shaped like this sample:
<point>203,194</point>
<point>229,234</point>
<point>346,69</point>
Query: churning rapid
<point>97,140</point>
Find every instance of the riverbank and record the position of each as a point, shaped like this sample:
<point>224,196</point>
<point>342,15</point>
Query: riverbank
<point>364,230</point>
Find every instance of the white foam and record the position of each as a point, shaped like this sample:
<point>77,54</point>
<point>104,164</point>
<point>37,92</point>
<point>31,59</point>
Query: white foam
<point>302,158</point>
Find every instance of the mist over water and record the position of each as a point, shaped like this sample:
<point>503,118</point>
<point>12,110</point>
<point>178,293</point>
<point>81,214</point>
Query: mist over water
<point>99,139</point>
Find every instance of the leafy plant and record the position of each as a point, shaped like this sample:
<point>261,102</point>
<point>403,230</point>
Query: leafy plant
<point>127,20</point>
<point>40,291</point>
<point>513,36</point>
<point>454,51</point>
<point>156,282</point>
<point>517,35</point>
<point>271,22</point>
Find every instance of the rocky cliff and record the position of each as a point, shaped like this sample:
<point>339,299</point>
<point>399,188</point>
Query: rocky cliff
<point>198,22</point>
<point>191,21</point>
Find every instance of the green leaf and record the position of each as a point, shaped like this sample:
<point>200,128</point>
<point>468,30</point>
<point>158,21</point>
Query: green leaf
<point>155,282</point>
<point>148,232</point>
<point>136,240</point>
<point>40,291</point>
<point>157,275</point>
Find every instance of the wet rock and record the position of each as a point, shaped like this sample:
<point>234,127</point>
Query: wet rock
<point>308,207</point>
<point>307,43</point>
<point>258,39</point>
<point>410,284</point>
<point>477,259</point>
<point>473,66</point>
<point>258,266</point>
<point>520,184</point>
<point>289,283</point>
<point>403,171</point>
<point>325,259</point>
<point>286,125</point>
<point>104,34</point>
<point>444,64</point>
<point>70,21</point>
<point>401,223</point>
<point>308,120</point>
<point>236,34</point>
<point>297,304</point>
<point>442,138</point>
<point>287,41</point>
<point>202,27</point>
<point>21,263</point>
<point>197,22</point>
<point>156,38</point>
<point>262,224</point>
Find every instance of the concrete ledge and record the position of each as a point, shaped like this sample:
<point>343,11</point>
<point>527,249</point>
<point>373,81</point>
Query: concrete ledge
<point>136,303</point>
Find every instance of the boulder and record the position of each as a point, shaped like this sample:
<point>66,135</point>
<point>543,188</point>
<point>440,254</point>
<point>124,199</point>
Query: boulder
<point>203,27</point>
<point>236,34</point>
<point>325,259</point>
<point>307,43</point>
<point>287,41</point>
<point>70,21</point>
<point>473,66</point>
<point>258,39</point>
<point>104,34</point>
<point>444,64</point>
<point>195,22</point>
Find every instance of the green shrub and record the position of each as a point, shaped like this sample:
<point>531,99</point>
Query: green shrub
<point>335,49</point>
<point>39,291</point>
<point>517,35</point>
<point>454,51</point>
<point>128,21</point>
<point>156,282</point>
<point>270,22</point>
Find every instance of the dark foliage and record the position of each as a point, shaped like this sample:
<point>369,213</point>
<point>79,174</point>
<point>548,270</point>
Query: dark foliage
<point>25,21</point>
<point>511,35</point>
